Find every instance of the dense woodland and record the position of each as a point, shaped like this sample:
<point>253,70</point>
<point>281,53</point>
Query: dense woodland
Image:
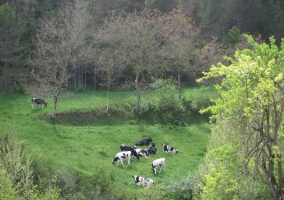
<point>50,46</point>
<point>208,21</point>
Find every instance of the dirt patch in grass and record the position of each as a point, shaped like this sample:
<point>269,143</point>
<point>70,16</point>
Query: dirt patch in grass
<point>115,114</point>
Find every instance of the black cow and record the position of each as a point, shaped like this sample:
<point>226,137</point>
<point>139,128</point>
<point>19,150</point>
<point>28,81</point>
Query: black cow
<point>152,149</point>
<point>126,148</point>
<point>40,101</point>
<point>144,142</point>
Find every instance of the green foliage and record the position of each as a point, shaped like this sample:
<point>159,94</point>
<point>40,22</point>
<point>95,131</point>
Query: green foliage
<point>251,96</point>
<point>232,38</point>
<point>181,189</point>
<point>202,98</point>
<point>20,173</point>
<point>221,181</point>
<point>7,191</point>
<point>80,88</point>
<point>167,104</point>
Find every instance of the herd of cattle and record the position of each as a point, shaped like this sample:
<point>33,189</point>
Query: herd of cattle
<point>127,152</point>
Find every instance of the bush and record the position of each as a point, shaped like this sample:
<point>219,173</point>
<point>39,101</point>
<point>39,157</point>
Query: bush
<point>81,88</point>
<point>20,172</point>
<point>182,189</point>
<point>6,190</point>
<point>167,106</point>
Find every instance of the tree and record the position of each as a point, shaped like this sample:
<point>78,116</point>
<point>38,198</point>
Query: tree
<point>177,34</point>
<point>59,46</point>
<point>251,99</point>
<point>133,37</point>
<point>10,34</point>
<point>108,69</point>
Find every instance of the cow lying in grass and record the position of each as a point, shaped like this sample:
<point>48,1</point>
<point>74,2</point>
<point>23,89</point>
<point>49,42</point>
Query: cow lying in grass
<point>169,149</point>
<point>146,182</point>
<point>40,101</point>
<point>144,142</point>
<point>126,148</point>
<point>152,149</point>
<point>159,163</point>
<point>147,152</point>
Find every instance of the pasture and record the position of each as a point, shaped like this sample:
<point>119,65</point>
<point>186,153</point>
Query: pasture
<point>79,146</point>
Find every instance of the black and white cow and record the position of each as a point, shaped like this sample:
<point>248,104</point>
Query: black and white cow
<point>133,150</point>
<point>144,142</point>
<point>40,101</point>
<point>146,182</point>
<point>169,149</point>
<point>152,149</point>
<point>121,156</point>
<point>144,153</point>
<point>159,163</point>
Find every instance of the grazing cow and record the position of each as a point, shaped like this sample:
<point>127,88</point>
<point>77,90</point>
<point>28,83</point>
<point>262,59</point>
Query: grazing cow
<point>161,162</point>
<point>144,142</point>
<point>146,182</point>
<point>152,149</point>
<point>121,156</point>
<point>38,101</point>
<point>169,149</point>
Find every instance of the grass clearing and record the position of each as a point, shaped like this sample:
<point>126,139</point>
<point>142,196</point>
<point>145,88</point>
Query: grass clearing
<point>83,151</point>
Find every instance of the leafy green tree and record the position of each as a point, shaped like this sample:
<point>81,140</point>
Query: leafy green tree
<point>232,38</point>
<point>251,99</point>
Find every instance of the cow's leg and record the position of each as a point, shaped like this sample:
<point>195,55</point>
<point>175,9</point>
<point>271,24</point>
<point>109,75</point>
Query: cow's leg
<point>33,105</point>
<point>129,160</point>
<point>122,162</point>
<point>164,167</point>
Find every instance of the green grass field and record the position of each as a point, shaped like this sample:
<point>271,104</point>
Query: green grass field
<point>80,147</point>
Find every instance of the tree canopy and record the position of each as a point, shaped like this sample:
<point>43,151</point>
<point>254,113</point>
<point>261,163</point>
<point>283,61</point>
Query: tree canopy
<point>251,100</point>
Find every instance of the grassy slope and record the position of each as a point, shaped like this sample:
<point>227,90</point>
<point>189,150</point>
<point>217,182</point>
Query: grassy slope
<point>88,148</point>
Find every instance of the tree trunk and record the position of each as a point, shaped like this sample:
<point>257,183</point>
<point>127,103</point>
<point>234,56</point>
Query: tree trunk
<point>107,99</point>
<point>6,62</point>
<point>179,86</point>
<point>137,93</point>
<point>55,97</point>
<point>95,79</point>
<point>271,180</point>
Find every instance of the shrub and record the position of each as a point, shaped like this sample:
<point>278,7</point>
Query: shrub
<point>168,105</point>
<point>6,190</point>
<point>20,173</point>
<point>81,88</point>
<point>183,188</point>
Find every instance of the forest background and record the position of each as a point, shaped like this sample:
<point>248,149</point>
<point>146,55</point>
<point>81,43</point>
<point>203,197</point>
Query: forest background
<point>50,47</point>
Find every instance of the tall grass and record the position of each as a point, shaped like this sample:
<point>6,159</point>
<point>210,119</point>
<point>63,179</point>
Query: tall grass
<point>80,153</point>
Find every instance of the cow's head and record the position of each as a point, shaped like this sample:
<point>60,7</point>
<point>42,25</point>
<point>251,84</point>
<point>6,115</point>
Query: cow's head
<point>115,160</point>
<point>154,169</point>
